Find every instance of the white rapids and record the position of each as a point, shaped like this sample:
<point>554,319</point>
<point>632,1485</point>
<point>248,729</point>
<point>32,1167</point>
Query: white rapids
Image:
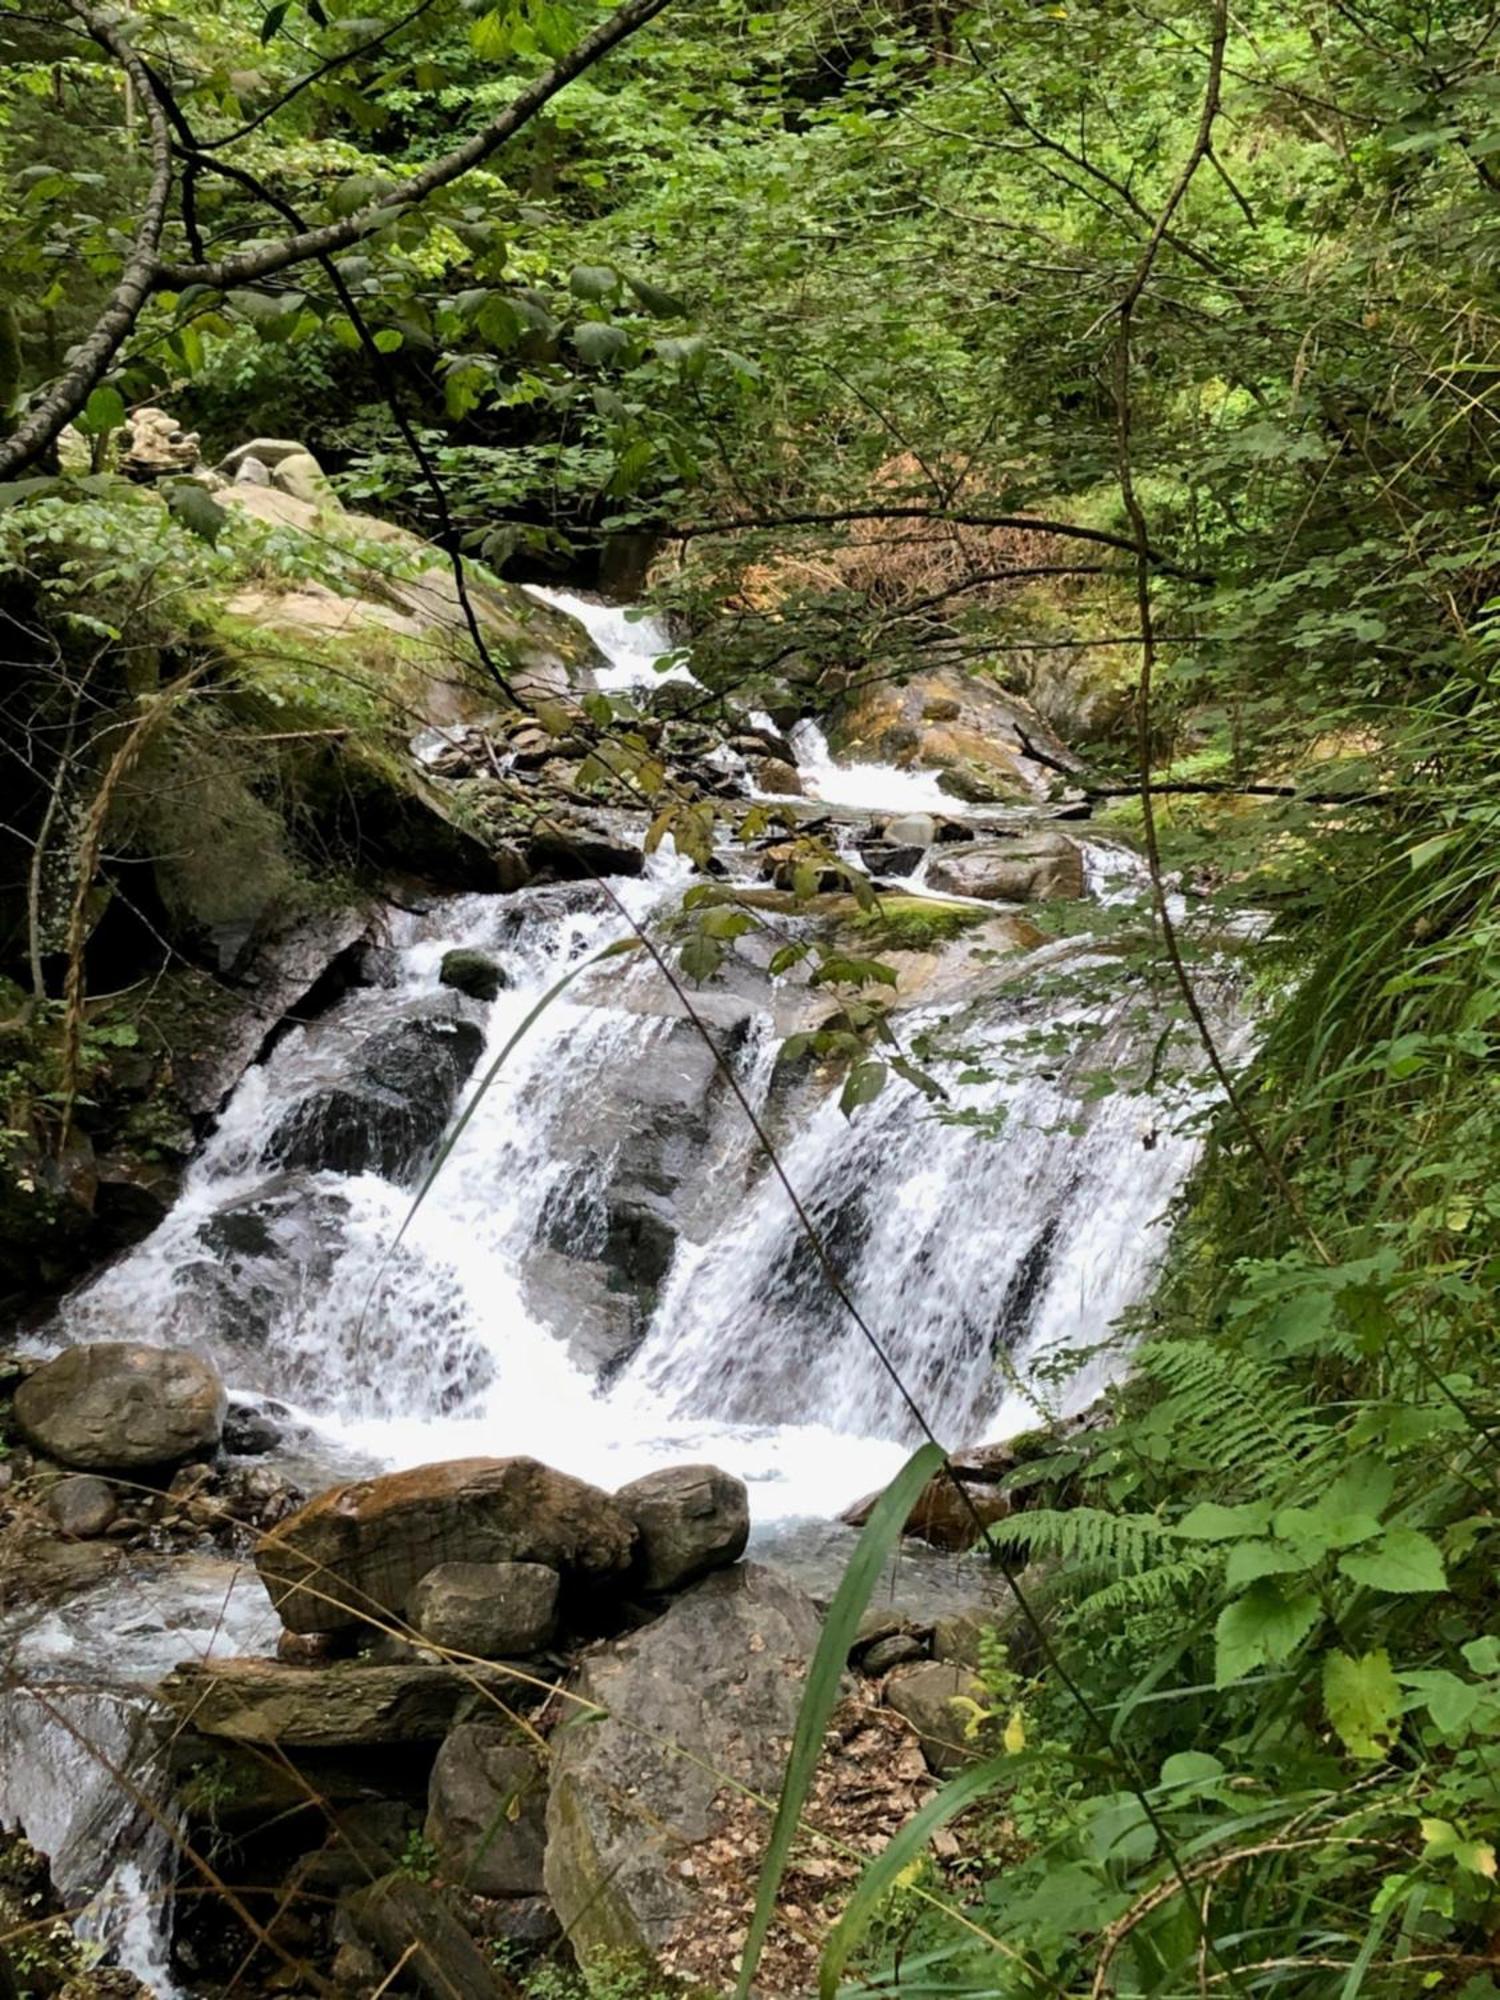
<point>1016,1227</point>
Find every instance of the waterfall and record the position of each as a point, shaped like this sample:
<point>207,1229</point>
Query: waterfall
<point>630,640</point>
<point>604,1274</point>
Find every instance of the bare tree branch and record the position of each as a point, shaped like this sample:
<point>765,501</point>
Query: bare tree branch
<point>72,389</point>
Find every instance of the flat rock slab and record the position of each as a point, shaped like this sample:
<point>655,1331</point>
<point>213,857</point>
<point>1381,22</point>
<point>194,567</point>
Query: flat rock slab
<point>342,1706</point>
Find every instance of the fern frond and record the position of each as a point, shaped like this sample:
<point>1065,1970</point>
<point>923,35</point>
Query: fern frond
<point>1236,1413</point>
<point>1090,1536</point>
<point>1148,1590</point>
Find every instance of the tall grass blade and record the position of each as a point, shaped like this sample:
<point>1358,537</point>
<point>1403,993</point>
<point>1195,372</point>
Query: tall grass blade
<point>822,1690</point>
<point>898,1853</point>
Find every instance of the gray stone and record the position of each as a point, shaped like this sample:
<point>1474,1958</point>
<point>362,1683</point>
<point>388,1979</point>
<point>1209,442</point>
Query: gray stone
<point>926,1696</point>
<point>699,1702</point>
<point>406,1924</point>
<point>491,1610</point>
<point>774,774</point>
<point>472,972</point>
<point>957,1638</point>
<point>119,1407</point>
<point>83,1506</point>
<point>300,474</point>
<point>342,1705</point>
<point>270,452</point>
<point>911,830</point>
<point>1023,870</point>
<point>487,1811</point>
<point>362,1548</point>
<point>251,472</point>
<point>895,1651</point>
<point>690,1519</point>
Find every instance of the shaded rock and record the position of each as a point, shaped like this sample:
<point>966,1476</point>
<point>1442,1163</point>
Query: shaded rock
<point>487,1811</point>
<point>775,774</point>
<point>894,1651</point>
<point>116,1406</point>
<point>365,1546</point>
<point>492,1610</point>
<point>575,854</point>
<point>83,1506</point>
<point>393,1110</point>
<point>690,1519</point>
<point>472,972</point>
<point>959,1637</point>
<point>342,1705</point>
<point>718,1678</point>
<point>527,1920</point>
<point>926,1696</point>
<point>405,1923</point>
<point>251,1430</point>
<point>1022,870</point>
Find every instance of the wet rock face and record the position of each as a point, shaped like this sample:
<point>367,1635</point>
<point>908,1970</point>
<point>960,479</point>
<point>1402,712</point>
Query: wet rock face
<point>718,1677</point>
<point>394,1107</point>
<point>363,1548</point>
<point>690,1519</point>
<point>345,1705</point>
<point>472,972</point>
<point>993,747</point>
<point>117,1407</point>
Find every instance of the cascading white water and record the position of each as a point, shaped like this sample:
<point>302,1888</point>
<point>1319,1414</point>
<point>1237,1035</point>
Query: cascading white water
<point>631,640</point>
<point>1021,1220</point>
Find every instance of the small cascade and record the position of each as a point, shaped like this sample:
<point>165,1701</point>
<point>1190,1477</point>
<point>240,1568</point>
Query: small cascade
<point>631,640</point>
<point>886,789</point>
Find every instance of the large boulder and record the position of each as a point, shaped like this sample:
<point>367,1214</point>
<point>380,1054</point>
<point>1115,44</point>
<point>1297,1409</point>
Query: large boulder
<point>492,1611</point>
<point>119,1407</point>
<point>344,1705</point>
<point>690,1519</point>
<point>1024,869</point>
<point>360,1550</point>
<point>391,1113</point>
<point>995,745</point>
<point>697,1704</point>
<point>487,1811</point>
<point>409,1930</point>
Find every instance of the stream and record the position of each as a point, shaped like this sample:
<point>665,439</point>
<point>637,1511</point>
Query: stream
<point>498,1324</point>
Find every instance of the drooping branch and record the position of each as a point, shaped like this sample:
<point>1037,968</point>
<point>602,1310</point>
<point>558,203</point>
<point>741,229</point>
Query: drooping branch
<point>263,261</point>
<point>72,389</point>
<point>1036,524</point>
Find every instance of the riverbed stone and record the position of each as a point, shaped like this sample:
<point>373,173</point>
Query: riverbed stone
<point>916,829</point>
<point>490,1610</point>
<point>362,1548</point>
<point>701,1701</point>
<point>119,1406</point>
<point>487,1811</point>
<point>1027,869</point>
<point>690,1519</point>
<point>774,774</point>
<point>471,972</point>
<point>932,1697</point>
<point>83,1506</point>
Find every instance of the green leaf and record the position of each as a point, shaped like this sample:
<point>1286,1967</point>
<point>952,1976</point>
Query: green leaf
<point>701,958</point>
<point>1404,1559</point>
<point>599,343</point>
<point>593,281</point>
<point>863,1085</point>
<point>103,412</point>
<point>824,1678</point>
<point>273,20</point>
<point>660,304</point>
<point>1362,1701</point>
<point>1450,1702</point>
<point>196,509</point>
<point>1209,1522</point>
<point>1260,1629</point>
<point>1249,1560</point>
<point>388,340</point>
<point>490,37</point>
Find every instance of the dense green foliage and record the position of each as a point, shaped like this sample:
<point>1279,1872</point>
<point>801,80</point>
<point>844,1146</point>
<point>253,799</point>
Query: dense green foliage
<point>867,260</point>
